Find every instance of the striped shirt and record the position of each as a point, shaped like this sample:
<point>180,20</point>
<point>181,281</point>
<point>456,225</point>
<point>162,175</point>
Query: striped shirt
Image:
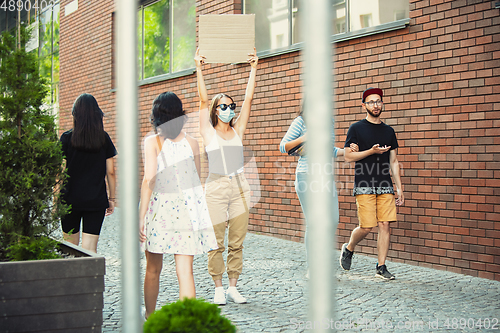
<point>296,130</point>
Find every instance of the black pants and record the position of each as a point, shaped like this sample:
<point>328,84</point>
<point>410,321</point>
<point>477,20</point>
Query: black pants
<point>92,221</point>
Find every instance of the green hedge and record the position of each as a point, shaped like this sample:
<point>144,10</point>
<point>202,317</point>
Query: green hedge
<point>188,315</point>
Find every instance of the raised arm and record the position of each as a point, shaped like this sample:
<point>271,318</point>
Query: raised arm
<point>242,121</point>
<point>205,125</point>
<point>393,160</point>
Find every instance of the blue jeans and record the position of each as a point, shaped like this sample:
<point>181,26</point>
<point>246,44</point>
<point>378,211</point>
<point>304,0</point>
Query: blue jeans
<point>302,186</point>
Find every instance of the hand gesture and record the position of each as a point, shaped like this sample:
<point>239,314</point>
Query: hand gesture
<point>354,147</point>
<point>380,150</point>
<point>253,60</point>
<point>199,59</point>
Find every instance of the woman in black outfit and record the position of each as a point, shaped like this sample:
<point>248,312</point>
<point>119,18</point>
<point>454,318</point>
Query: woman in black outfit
<point>89,153</point>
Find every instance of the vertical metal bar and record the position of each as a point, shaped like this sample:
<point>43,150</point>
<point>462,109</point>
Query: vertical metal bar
<point>128,120</point>
<point>321,200</point>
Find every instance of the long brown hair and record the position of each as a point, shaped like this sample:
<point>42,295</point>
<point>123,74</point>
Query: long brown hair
<point>213,109</point>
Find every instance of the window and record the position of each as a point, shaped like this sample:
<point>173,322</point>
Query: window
<point>370,13</point>
<point>166,36</point>
<point>48,52</point>
<point>44,19</point>
<point>277,22</point>
<point>365,20</point>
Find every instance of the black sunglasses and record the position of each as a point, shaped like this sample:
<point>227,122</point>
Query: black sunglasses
<point>223,107</point>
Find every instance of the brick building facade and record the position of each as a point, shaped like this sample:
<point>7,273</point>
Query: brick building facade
<point>441,79</point>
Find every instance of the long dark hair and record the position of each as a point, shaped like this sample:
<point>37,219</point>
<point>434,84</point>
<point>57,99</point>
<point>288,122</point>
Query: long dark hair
<point>88,129</point>
<point>213,109</point>
<point>167,115</point>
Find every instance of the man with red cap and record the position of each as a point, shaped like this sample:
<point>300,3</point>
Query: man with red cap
<point>376,197</point>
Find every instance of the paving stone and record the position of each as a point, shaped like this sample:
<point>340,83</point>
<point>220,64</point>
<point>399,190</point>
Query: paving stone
<point>274,284</point>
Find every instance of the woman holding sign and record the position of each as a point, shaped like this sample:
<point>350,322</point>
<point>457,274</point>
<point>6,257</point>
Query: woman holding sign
<point>227,190</point>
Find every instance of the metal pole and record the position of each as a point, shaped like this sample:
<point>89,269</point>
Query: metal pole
<point>128,120</point>
<point>322,202</point>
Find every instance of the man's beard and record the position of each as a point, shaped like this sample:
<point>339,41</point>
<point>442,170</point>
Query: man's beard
<point>374,115</point>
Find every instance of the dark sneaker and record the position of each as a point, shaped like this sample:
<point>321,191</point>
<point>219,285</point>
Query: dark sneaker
<point>345,257</point>
<point>383,273</point>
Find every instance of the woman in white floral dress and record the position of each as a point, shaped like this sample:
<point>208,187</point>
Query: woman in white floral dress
<point>173,213</point>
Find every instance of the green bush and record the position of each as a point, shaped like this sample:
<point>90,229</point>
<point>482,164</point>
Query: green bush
<point>30,153</point>
<point>33,249</point>
<point>188,315</point>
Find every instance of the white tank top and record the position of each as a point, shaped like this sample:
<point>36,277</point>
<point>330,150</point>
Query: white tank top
<point>225,157</point>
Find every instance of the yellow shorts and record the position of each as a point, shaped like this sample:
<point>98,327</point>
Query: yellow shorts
<point>373,208</point>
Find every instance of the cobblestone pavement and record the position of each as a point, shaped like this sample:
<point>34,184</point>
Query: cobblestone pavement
<point>419,300</point>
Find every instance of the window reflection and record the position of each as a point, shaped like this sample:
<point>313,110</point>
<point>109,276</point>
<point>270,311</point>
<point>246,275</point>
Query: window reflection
<point>166,37</point>
<point>370,13</point>
<point>184,35</point>
<point>156,39</point>
<point>48,53</point>
<point>296,26</point>
<point>45,45</point>
<point>263,10</point>
<point>272,18</point>
<point>55,30</point>
<point>338,17</point>
<point>140,42</point>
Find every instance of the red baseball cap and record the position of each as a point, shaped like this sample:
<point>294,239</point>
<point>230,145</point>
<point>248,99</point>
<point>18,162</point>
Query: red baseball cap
<point>371,91</point>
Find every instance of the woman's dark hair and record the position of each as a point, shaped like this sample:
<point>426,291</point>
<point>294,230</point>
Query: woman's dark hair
<point>88,129</point>
<point>213,109</point>
<point>167,115</point>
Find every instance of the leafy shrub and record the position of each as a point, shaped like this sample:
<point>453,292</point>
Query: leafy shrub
<point>188,315</point>
<point>30,153</point>
<point>33,249</point>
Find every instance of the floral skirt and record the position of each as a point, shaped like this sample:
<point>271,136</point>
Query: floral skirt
<point>177,224</point>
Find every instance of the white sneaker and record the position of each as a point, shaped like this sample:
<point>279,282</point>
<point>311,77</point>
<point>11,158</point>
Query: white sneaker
<point>234,295</point>
<point>220,296</point>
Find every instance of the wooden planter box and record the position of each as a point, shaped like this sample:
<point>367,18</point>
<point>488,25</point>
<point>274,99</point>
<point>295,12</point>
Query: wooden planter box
<point>63,295</point>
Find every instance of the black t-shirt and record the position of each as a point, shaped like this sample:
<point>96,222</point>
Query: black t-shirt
<point>372,174</point>
<point>85,187</point>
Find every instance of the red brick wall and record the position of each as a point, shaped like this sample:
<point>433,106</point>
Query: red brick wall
<point>440,79</point>
<point>441,85</point>
<point>85,60</point>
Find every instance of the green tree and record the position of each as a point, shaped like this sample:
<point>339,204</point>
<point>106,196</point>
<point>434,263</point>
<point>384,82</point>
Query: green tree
<point>30,153</point>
